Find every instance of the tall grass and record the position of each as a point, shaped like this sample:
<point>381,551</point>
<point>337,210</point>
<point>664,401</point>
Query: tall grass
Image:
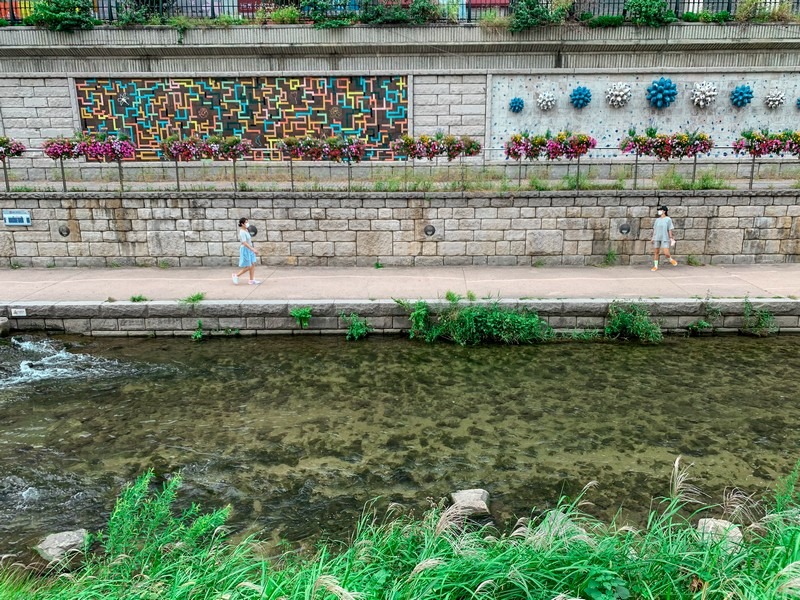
<point>148,552</point>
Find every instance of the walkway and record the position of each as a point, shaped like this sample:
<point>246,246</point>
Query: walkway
<point>305,283</point>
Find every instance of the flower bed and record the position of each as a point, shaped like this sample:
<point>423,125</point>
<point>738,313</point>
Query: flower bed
<point>564,144</point>
<point>666,146</point>
<point>439,145</point>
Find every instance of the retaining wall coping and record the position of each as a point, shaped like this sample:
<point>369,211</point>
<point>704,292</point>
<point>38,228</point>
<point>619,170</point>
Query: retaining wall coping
<point>429,196</point>
<point>299,39</point>
<point>166,315</point>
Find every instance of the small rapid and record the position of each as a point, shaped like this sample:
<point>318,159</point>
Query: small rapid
<point>24,361</point>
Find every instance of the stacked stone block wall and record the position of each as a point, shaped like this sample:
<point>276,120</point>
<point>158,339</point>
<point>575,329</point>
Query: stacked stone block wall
<point>340,229</point>
<point>122,318</point>
<point>453,104</point>
<point>35,109</point>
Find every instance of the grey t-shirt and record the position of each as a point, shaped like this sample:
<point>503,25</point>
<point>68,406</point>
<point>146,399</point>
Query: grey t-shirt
<point>661,228</point>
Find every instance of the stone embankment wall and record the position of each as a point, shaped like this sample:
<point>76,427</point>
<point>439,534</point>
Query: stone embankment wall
<point>255,317</point>
<point>414,229</point>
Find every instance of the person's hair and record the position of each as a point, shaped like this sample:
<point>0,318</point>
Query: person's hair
<point>242,221</point>
<point>664,208</point>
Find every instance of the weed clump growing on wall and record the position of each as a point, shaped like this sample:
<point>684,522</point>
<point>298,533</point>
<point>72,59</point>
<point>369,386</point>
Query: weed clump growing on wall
<point>632,322</point>
<point>471,324</point>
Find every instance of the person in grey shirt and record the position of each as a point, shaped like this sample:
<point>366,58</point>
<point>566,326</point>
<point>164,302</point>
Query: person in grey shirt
<point>662,237</point>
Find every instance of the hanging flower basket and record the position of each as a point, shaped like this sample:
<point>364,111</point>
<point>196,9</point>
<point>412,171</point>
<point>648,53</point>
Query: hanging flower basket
<point>9,149</point>
<point>108,148</point>
<point>62,149</point>
<point>231,148</point>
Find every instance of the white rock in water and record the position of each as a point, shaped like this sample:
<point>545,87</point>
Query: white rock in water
<point>474,502</point>
<point>716,530</point>
<point>56,546</point>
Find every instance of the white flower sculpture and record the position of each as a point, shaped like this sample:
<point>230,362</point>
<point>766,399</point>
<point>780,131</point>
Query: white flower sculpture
<point>546,100</point>
<point>618,94</point>
<point>774,99</point>
<point>703,94</point>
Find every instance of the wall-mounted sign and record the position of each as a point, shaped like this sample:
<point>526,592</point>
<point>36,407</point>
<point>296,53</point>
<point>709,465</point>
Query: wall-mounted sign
<point>14,217</point>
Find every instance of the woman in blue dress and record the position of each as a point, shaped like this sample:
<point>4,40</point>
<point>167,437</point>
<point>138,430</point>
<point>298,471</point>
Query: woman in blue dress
<point>247,255</point>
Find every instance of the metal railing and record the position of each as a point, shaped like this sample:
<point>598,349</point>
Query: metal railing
<point>455,11</point>
<point>485,172</point>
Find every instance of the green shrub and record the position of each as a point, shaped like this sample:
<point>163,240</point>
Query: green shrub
<point>585,16</point>
<point>301,314</point>
<point>606,21</point>
<point>695,327</point>
<point>288,15</point>
<point>649,13</point>
<point>631,321</point>
<point>492,19</point>
<point>721,17</point>
<point>194,298</point>
<point>357,327</point>
<point>423,11</point>
<point>757,321</point>
<point>4,23</point>
<point>475,324</point>
<point>225,21</point>
<point>328,14</point>
<point>62,15</point>
<point>198,334</point>
<point>690,17</point>
<point>527,14</point>
<point>131,13</point>
<point>380,13</point>
<point>751,10</point>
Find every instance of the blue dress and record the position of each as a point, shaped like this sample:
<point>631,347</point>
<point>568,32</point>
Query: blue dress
<point>246,256</point>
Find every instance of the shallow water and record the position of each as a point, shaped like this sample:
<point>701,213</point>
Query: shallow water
<point>298,433</point>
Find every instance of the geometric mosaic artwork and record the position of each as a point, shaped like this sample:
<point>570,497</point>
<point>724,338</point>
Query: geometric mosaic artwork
<point>260,109</point>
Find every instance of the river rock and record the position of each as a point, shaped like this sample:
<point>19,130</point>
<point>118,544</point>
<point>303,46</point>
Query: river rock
<point>55,547</point>
<point>720,530</point>
<point>474,502</point>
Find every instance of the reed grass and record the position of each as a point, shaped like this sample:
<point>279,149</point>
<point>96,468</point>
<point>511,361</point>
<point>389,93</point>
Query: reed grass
<point>147,551</point>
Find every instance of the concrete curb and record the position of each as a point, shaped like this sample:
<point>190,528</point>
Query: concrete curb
<point>168,318</point>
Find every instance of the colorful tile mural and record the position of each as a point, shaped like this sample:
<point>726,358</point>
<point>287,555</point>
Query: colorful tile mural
<point>261,109</point>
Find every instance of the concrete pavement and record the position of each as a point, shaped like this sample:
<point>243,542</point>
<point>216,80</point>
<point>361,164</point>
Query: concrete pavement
<point>307,283</point>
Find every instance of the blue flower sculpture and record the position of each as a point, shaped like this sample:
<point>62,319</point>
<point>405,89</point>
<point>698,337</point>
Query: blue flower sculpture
<point>516,105</point>
<point>741,96</point>
<point>580,97</point>
<point>661,93</point>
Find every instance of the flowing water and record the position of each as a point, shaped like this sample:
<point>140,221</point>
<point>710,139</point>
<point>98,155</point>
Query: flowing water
<point>299,433</point>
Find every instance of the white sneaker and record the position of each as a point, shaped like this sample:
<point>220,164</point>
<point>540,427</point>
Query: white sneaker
<point>255,282</point>
<point>235,279</point>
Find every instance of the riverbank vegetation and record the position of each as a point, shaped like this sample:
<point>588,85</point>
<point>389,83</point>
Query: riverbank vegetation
<point>563,553</point>
<point>468,324</point>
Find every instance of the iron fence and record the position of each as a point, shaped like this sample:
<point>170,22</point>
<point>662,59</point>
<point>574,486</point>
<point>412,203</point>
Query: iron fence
<point>455,11</point>
<point>488,171</point>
